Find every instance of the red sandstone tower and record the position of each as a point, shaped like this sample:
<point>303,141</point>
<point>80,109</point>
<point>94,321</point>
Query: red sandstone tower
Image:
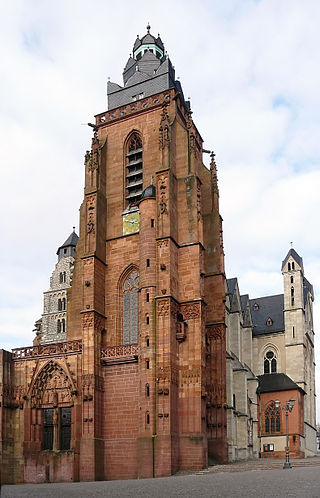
<point>137,388</point>
<point>148,294</point>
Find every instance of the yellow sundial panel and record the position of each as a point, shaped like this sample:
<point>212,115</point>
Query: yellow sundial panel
<point>131,223</point>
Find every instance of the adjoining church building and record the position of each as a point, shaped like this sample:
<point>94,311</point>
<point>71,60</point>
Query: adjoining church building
<point>147,360</point>
<point>270,357</point>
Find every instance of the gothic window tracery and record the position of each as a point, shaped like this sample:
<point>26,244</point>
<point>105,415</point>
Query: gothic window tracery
<point>272,419</point>
<point>130,308</point>
<point>133,170</point>
<point>270,363</point>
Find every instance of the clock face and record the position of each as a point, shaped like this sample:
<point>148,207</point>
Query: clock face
<point>131,223</point>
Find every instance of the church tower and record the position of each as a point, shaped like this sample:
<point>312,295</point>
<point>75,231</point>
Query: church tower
<point>148,290</point>
<point>299,338</point>
<point>53,323</point>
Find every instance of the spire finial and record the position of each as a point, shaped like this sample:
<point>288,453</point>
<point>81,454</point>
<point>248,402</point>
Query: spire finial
<point>148,27</point>
<point>291,243</point>
<point>74,229</point>
<point>151,179</point>
<point>213,162</point>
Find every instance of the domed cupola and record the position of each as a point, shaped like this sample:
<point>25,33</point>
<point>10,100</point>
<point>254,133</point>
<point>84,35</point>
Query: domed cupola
<point>150,191</point>
<point>148,43</point>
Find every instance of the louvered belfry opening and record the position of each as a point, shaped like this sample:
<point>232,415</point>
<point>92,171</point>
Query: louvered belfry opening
<point>134,179</point>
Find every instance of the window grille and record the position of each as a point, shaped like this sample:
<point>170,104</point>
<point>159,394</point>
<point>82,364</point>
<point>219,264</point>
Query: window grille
<point>65,428</point>
<point>134,176</point>
<point>47,429</point>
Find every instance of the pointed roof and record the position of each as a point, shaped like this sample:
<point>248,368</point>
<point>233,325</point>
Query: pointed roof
<point>137,43</point>
<point>231,282</point>
<point>71,241</point>
<point>233,291</point>
<point>131,61</point>
<point>295,256</point>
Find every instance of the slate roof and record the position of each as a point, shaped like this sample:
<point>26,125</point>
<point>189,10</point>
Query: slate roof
<point>137,43</point>
<point>231,283</point>
<point>246,312</point>
<point>295,256</point>
<point>160,76</point>
<point>150,191</point>
<point>244,301</point>
<point>71,241</point>
<point>131,62</point>
<point>307,287</point>
<point>269,383</point>
<point>269,307</point>
<point>148,39</point>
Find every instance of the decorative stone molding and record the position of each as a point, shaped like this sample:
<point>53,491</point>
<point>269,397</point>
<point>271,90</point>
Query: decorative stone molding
<point>163,194</point>
<point>91,319</point>
<point>164,136</point>
<point>190,311</point>
<point>91,205</point>
<point>57,349</point>
<point>162,243</point>
<point>198,200</point>
<point>216,331</point>
<point>127,353</point>
<point>163,307</point>
<point>139,106</point>
<point>191,376</point>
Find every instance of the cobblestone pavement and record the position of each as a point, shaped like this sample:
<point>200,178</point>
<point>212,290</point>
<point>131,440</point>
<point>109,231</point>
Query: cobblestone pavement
<point>253,479</point>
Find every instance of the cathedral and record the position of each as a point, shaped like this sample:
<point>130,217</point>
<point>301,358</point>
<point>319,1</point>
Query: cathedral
<point>147,360</point>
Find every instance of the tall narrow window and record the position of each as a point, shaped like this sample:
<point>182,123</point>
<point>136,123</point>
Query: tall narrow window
<point>65,428</point>
<point>59,305</point>
<point>64,303</point>
<point>58,326</point>
<point>292,296</point>
<point>289,267</point>
<point>270,363</point>
<point>134,180</point>
<point>63,325</point>
<point>130,308</point>
<point>272,419</point>
<point>47,443</point>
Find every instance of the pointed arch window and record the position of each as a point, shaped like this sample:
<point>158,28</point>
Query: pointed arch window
<point>130,308</point>
<point>270,363</point>
<point>272,419</point>
<point>133,173</point>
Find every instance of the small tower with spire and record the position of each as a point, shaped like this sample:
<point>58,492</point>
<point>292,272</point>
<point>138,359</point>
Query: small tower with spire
<point>299,333</point>
<point>53,326</point>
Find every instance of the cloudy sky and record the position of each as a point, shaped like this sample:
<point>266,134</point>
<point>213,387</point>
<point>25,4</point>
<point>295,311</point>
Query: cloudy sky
<point>251,69</point>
